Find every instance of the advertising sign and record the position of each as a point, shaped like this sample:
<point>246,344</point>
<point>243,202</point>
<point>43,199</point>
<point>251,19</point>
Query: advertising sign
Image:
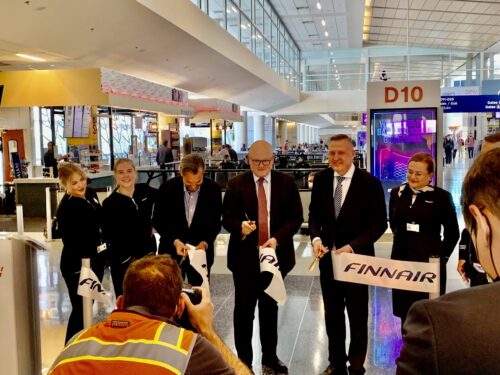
<point>397,135</point>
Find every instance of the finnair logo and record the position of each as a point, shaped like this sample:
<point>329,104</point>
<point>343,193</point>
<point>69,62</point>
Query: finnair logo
<point>394,274</point>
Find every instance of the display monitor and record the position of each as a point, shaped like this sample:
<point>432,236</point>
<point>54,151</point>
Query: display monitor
<point>398,134</point>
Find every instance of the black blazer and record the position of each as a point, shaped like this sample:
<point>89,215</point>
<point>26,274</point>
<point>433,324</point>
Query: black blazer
<point>285,221</point>
<point>362,218</point>
<point>455,334</point>
<point>169,218</point>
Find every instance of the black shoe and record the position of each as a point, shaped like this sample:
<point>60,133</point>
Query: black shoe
<point>275,367</point>
<point>331,370</point>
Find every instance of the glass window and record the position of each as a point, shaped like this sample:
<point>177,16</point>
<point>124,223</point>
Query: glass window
<point>259,46</point>
<point>217,12</point>
<point>35,112</point>
<point>196,2</point>
<point>233,20</point>
<point>274,59</point>
<point>122,129</point>
<point>274,34</point>
<point>104,138</point>
<point>46,127</point>
<point>246,7</point>
<point>246,32</point>
<point>204,5</point>
<point>259,17</point>
<point>61,142</point>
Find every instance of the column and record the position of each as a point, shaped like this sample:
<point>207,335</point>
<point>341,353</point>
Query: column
<point>258,127</point>
<point>240,133</point>
<point>282,131</point>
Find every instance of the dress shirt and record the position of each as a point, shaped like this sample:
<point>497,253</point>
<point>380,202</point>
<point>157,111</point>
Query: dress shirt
<point>190,201</point>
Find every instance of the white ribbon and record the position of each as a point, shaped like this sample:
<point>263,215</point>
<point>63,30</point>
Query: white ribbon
<point>198,260</point>
<point>269,262</point>
<point>90,286</point>
<point>388,273</point>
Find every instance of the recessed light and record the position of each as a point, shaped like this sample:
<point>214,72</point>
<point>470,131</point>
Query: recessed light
<point>29,57</point>
<point>329,44</point>
<point>318,5</point>
<point>323,22</point>
<point>326,33</point>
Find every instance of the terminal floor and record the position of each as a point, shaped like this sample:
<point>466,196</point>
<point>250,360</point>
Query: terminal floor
<point>302,336</point>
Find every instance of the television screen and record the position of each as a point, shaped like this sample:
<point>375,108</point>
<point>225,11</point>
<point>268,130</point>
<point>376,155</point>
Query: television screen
<point>77,121</point>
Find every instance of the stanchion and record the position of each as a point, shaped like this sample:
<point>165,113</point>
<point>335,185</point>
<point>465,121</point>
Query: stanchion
<point>88,315</point>
<point>436,259</point>
<point>20,219</point>
<point>48,210</point>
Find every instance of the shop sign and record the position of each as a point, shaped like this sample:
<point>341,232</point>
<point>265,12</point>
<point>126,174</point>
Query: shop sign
<point>470,103</point>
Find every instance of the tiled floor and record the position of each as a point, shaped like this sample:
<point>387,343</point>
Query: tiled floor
<point>302,337</point>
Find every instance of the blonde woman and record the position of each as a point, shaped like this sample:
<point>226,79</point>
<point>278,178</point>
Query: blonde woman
<point>79,220</point>
<point>127,225</point>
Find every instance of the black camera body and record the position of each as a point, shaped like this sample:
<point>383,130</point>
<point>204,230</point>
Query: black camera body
<point>193,294</point>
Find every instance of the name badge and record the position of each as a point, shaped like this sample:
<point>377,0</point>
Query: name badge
<point>101,248</point>
<point>413,227</point>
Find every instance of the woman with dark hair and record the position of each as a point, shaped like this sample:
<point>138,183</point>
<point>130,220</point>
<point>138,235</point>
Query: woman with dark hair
<point>127,214</point>
<point>417,212</point>
<point>79,221</point>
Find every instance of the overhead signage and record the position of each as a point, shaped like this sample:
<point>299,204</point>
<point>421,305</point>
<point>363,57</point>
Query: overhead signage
<point>470,103</point>
<point>403,94</point>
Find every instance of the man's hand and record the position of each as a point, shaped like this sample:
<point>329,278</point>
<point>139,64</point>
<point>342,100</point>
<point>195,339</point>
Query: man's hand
<point>202,246</point>
<point>318,249</point>
<point>461,269</point>
<point>200,315</point>
<point>272,242</point>
<point>180,248</point>
<point>247,227</point>
<point>344,249</point>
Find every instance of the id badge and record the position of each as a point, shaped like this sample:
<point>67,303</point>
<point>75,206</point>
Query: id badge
<point>101,248</point>
<point>413,227</point>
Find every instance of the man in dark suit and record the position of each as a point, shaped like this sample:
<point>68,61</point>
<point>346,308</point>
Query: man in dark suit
<point>346,214</point>
<point>188,211</point>
<point>459,333</point>
<point>261,208</point>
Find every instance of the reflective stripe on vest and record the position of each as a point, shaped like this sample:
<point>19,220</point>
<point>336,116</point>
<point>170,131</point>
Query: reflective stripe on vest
<point>170,349</point>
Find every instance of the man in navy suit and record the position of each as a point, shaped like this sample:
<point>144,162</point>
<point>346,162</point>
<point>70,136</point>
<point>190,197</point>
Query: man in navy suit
<point>188,211</point>
<point>459,333</point>
<point>261,208</point>
<point>347,213</point>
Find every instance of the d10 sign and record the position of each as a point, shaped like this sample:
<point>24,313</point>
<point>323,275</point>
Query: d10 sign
<point>403,94</point>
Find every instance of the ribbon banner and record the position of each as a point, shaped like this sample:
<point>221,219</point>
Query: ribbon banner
<point>198,260</point>
<point>90,286</point>
<point>388,273</point>
<point>269,263</point>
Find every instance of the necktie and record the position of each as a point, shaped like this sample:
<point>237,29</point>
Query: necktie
<point>263,232</point>
<point>337,196</point>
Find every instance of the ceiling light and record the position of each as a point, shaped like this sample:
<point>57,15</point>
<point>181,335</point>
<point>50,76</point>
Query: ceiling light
<point>29,57</point>
<point>318,5</point>
<point>323,22</point>
<point>234,9</point>
<point>329,44</point>
<point>326,33</point>
<point>243,26</point>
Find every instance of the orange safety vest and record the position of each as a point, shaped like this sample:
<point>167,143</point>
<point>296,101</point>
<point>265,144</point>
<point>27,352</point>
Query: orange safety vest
<point>127,343</point>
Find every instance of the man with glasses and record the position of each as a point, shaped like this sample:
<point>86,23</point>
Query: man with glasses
<point>261,208</point>
<point>459,333</point>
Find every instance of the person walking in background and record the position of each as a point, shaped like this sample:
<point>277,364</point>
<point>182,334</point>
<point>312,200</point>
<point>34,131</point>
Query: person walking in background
<point>79,221</point>
<point>262,208</point>
<point>127,225</point>
<point>417,213</point>
<point>347,213</point>
<point>448,149</point>
<point>461,145</point>
<point>164,155</point>
<point>49,159</point>
<point>455,147</point>
<point>470,146</point>
<point>188,211</point>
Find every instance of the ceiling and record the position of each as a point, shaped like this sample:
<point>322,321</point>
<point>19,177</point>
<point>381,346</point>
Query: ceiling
<point>125,36</point>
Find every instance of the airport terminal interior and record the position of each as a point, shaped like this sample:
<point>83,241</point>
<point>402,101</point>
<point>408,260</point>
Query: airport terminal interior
<point>113,79</point>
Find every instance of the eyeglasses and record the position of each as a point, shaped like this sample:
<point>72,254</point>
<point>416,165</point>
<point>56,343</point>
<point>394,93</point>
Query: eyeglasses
<point>265,163</point>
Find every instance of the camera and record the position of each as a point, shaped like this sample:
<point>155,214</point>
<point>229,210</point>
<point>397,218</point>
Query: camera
<point>193,294</point>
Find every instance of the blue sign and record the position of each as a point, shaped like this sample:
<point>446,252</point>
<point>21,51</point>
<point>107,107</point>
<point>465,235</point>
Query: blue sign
<point>16,163</point>
<point>470,103</point>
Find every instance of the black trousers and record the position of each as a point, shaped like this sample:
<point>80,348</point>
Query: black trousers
<point>72,277</point>
<point>249,292</point>
<point>118,269</point>
<point>337,296</point>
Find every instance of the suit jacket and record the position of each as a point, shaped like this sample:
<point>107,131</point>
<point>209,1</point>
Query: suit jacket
<point>169,218</point>
<point>362,218</point>
<point>458,333</point>
<point>285,219</point>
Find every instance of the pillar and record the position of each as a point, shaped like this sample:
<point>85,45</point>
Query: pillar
<point>258,127</point>
<point>240,133</point>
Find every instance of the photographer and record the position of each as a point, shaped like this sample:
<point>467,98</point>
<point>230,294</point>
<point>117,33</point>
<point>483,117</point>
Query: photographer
<point>141,336</point>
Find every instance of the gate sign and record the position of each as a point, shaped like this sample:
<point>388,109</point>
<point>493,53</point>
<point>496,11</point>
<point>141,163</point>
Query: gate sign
<point>470,103</point>
<point>403,94</point>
